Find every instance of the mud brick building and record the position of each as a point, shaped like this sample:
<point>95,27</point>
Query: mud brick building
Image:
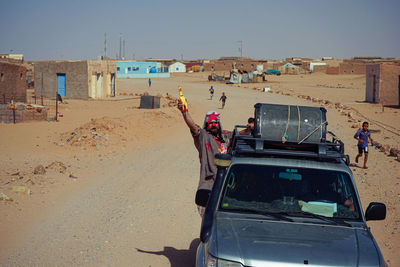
<point>12,82</point>
<point>358,65</point>
<point>226,64</point>
<point>332,69</point>
<point>320,68</point>
<point>352,68</point>
<point>383,84</point>
<point>76,79</point>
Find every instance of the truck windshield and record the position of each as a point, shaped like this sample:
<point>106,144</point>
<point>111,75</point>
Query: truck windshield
<point>292,191</point>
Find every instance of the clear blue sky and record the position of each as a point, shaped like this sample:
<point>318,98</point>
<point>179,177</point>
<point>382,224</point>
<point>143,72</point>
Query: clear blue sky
<point>55,29</point>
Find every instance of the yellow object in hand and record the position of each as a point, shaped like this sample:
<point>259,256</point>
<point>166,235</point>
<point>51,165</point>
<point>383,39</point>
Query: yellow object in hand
<point>183,100</point>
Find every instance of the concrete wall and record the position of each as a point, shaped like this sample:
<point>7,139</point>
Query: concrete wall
<point>7,116</point>
<point>313,64</point>
<point>177,67</point>
<point>226,65</point>
<point>352,68</point>
<point>100,82</point>
<point>389,85</point>
<point>133,69</point>
<point>76,78</point>
<point>372,83</point>
<point>332,70</point>
<point>12,82</point>
<point>320,68</point>
<point>382,84</point>
<point>83,79</point>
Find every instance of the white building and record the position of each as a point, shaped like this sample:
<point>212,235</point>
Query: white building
<point>312,64</point>
<point>177,67</point>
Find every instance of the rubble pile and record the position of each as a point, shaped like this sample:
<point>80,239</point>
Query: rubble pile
<point>18,183</point>
<point>95,134</point>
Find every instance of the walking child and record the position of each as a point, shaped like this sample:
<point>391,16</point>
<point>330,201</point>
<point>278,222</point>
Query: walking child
<point>211,90</point>
<point>223,99</point>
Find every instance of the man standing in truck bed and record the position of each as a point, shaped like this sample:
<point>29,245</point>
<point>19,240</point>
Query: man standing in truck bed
<point>208,140</point>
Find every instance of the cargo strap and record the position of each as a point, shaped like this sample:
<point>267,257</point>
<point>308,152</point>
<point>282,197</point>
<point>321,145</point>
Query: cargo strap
<point>284,137</point>
<point>312,132</point>
<point>298,129</point>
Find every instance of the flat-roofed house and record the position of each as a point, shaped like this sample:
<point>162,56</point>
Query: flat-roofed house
<point>81,79</point>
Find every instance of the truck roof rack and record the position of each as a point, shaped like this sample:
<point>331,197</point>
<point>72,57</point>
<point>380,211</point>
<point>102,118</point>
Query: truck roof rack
<point>249,145</point>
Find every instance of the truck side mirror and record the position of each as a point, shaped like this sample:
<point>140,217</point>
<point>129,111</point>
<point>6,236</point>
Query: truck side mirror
<point>202,196</point>
<point>375,211</point>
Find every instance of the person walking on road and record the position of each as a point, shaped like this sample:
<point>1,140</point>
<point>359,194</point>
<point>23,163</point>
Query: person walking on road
<point>211,90</point>
<point>363,135</point>
<point>208,140</point>
<point>149,82</point>
<point>223,99</point>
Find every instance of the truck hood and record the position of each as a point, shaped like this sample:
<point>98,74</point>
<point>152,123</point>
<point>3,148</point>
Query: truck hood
<point>277,243</point>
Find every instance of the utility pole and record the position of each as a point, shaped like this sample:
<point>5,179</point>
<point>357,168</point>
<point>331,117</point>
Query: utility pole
<point>105,45</point>
<point>120,45</point>
<point>241,48</point>
<point>123,43</point>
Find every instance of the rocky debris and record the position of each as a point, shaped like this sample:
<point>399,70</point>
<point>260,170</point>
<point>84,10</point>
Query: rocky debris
<point>394,151</point>
<point>376,144</point>
<point>21,189</point>
<point>339,106</point>
<point>5,197</point>
<point>356,125</point>
<point>29,181</point>
<point>59,143</point>
<point>39,170</point>
<point>95,134</point>
<point>57,166</point>
<point>374,131</point>
<point>385,148</point>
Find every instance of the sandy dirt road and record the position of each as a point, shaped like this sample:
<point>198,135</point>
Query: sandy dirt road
<point>136,206</point>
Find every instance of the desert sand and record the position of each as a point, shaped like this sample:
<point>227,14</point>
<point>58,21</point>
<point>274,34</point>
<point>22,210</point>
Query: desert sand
<point>119,181</point>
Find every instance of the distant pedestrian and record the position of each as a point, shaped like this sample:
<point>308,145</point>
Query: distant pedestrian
<point>211,90</point>
<point>149,82</point>
<point>223,99</point>
<point>363,136</point>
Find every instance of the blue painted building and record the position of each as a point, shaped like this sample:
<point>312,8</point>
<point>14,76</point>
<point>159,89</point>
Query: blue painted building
<point>148,69</point>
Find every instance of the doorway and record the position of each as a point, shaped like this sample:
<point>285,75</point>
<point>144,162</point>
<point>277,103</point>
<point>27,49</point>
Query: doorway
<point>112,85</point>
<point>61,84</point>
<point>374,89</point>
<point>398,84</point>
<point>96,85</point>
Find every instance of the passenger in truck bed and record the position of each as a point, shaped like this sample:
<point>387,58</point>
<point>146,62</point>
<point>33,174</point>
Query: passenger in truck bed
<point>208,140</point>
<point>250,127</point>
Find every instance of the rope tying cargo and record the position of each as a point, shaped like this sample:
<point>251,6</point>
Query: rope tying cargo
<point>298,129</point>
<point>312,132</point>
<point>284,137</point>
